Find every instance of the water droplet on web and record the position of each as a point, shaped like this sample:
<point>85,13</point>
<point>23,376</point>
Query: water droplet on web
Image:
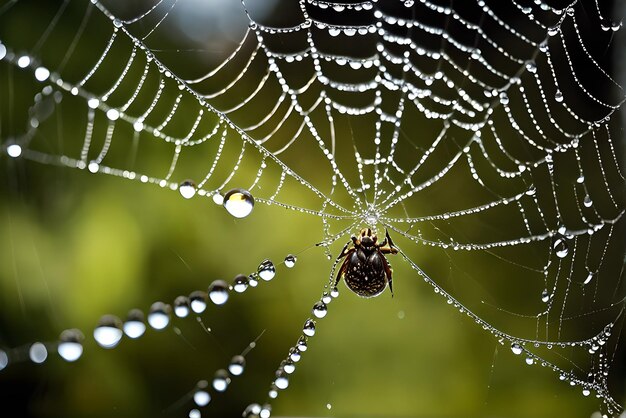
<point>240,283</point>
<point>558,96</point>
<point>4,359</point>
<point>159,315</point>
<point>218,292</point>
<point>236,366</point>
<point>580,179</point>
<point>201,397</point>
<point>289,367</point>
<point>70,346</point>
<point>266,270</point>
<point>23,61</point>
<point>251,410</point>
<point>309,328</point>
<point>187,189</point>
<point>516,349</point>
<point>320,309</point>
<point>266,411</point>
<point>113,114</point>
<point>108,333</point>
<point>294,354</point>
<point>134,327</point>
<point>195,413</point>
<point>301,344</point>
<point>326,298</point>
<point>545,296</point>
<point>282,382</point>
<point>238,202</point>
<point>531,67</point>
<point>252,280</point>
<point>93,103</point>
<point>586,392</point>
<point>561,249</point>
<point>93,167</point>
<point>221,380</point>
<point>38,353</point>
<point>334,292</point>
<point>198,301</point>
<point>589,278</point>
<point>587,201</point>
<point>530,361</point>
<point>42,73</point>
<point>290,261</point>
<point>14,150</point>
<point>218,199</point>
<point>329,406</point>
<point>553,30</point>
<point>181,306</point>
<point>3,51</point>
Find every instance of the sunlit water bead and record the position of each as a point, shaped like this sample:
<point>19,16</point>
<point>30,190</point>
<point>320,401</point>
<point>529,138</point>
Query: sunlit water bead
<point>135,326</point>
<point>218,292</point>
<point>23,61</point>
<point>589,278</point>
<point>240,283</point>
<point>282,381</point>
<point>108,333</point>
<point>42,73</point>
<point>294,354</point>
<point>266,270</point>
<point>181,306</point>
<point>70,346</point>
<point>301,344</point>
<point>4,359</point>
<point>187,189</point>
<point>253,280</point>
<point>14,150</point>
<point>38,353</point>
<point>516,349</point>
<point>195,413</point>
<point>289,367</point>
<point>290,261</point>
<point>561,249</point>
<point>545,296</point>
<point>201,397</point>
<point>159,315</point>
<point>238,202</point>
<point>334,292</point>
<point>198,301</point>
<point>221,380</point>
<point>266,411</point>
<point>320,309</point>
<point>237,365</point>
<point>309,328</point>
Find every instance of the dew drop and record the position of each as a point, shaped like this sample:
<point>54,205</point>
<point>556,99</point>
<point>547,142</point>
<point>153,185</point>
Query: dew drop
<point>252,280</point>
<point>531,67</point>
<point>3,51</point>
<point>159,315</point>
<point>93,103</point>
<point>38,353</point>
<point>238,202</point>
<point>134,327</point>
<point>587,201</point>
<point>201,398</point>
<point>326,298</point>
<point>309,328</point>
<point>240,283</point>
<point>14,150</point>
<point>252,410</point>
<point>4,359</point>
<point>530,361</point>
<point>553,30</point>
<point>70,346</point>
<point>266,270</point>
<point>558,96</point>
<point>545,296</point>
<point>295,354</point>
<point>516,349</point>
<point>108,333</point>
<point>320,309</point>
<point>197,300</point>
<point>301,344</point>
<point>42,73</point>
<point>181,306</point>
<point>334,292</point>
<point>290,261</point>
<point>282,382</point>
<point>221,380</point>
<point>586,392</point>
<point>187,189</point>
<point>23,61</point>
<point>218,199</point>
<point>93,167</point>
<point>561,249</point>
<point>589,278</point>
<point>218,292</point>
<point>266,411</point>
<point>195,413</point>
<point>236,366</point>
<point>113,114</point>
<point>138,126</point>
<point>289,367</point>
<point>580,179</point>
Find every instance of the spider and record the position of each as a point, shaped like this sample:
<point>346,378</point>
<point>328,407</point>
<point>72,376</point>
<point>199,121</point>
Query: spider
<point>365,269</point>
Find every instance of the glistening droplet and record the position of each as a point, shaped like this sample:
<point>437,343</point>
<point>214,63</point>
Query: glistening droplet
<point>135,326</point>
<point>187,189</point>
<point>198,301</point>
<point>320,309</point>
<point>181,306</point>
<point>221,380</point>
<point>218,292</point>
<point>561,249</point>
<point>159,315</point>
<point>239,203</point>
<point>236,366</point>
<point>70,346</point>
<point>240,283</point>
<point>290,261</point>
<point>201,397</point>
<point>108,333</point>
<point>309,328</point>
<point>38,353</point>
<point>516,349</point>
<point>266,270</point>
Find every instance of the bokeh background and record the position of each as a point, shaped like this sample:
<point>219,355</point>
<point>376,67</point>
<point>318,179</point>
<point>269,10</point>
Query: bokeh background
<point>74,246</point>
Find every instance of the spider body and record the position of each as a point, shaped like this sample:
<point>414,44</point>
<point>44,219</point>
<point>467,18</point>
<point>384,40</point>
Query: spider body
<point>365,268</point>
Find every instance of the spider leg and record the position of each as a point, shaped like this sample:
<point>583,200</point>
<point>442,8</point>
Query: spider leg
<point>341,270</point>
<point>389,248</point>
<point>388,274</point>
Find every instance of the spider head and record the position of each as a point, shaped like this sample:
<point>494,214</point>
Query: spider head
<point>367,238</point>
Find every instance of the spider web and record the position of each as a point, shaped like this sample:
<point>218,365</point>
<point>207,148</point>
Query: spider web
<point>482,136</point>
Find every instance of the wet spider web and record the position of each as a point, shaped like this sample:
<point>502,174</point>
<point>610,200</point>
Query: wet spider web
<point>484,137</point>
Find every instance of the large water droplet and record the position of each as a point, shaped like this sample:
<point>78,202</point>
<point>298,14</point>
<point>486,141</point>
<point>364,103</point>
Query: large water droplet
<point>237,364</point>
<point>4,359</point>
<point>221,380</point>
<point>266,270</point>
<point>516,349</point>
<point>159,315</point>
<point>201,397</point>
<point>558,96</point>
<point>38,353</point>
<point>181,306</point>
<point>195,413</point>
<point>187,189</point>
<point>42,73</point>
<point>290,261</point>
<point>294,354</point>
<point>14,150</point>
<point>309,328</point>
<point>320,309</point>
<point>266,411</point>
<point>282,382</point>
<point>108,333</point>
<point>302,346</point>
<point>587,201</point>
<point>218,292</point>
<point>198,301</point>
<point>561,249</point>
<point>70,346</point>
<point>240,283</point>
<point>135,326</point>
<point>289,367</point>
<point>238,202</point>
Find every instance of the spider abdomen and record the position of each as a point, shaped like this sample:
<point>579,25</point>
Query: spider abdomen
<point>364,273</point>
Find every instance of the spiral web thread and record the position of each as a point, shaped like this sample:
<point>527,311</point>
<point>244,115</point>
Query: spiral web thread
<point>498,112</point>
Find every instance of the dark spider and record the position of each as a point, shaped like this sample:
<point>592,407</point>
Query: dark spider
<point>365,269</point>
